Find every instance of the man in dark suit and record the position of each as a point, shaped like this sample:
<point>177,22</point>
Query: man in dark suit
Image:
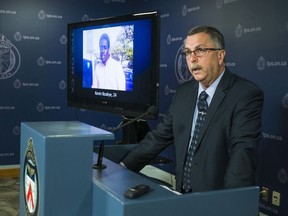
<point>226,154</point>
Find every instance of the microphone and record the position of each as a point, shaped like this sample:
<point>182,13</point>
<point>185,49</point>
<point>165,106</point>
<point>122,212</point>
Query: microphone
<point>99,165</point>
<point>150,111</point>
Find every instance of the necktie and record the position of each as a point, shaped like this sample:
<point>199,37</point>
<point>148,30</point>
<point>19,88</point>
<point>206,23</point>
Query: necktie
<point>202,110</point>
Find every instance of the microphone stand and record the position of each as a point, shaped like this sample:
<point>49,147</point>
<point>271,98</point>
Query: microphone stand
<point>99,165</point>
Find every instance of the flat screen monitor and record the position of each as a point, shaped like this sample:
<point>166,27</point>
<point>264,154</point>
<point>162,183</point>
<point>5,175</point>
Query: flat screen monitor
<point>113,64</point>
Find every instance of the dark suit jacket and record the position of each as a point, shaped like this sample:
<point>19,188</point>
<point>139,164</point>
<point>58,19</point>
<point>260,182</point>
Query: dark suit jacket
<point>227,153</point>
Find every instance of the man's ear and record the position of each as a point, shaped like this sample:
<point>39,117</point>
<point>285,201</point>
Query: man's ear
<point>221,56</point>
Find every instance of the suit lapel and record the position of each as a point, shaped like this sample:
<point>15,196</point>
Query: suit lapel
<point>190,114</point>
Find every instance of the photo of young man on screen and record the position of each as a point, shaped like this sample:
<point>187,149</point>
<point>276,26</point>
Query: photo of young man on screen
<point>111,67</point>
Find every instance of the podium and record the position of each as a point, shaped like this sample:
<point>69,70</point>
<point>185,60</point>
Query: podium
<point>110,184</point>
<point>56,167</point>
<point>56,178</point>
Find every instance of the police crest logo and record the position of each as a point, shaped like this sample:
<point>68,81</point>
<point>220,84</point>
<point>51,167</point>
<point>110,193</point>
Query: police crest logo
<point>31,181</point>
<point>181,69</point>
<point>261,63</point>
<point>9,58</point>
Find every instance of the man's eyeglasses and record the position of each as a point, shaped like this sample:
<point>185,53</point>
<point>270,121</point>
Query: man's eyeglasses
<point>200,52</point>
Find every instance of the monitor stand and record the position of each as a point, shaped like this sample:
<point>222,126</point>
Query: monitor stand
<point>133,133</point>
<point>134,130</point>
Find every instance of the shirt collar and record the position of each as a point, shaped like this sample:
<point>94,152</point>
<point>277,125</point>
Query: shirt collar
<point>212,88</point>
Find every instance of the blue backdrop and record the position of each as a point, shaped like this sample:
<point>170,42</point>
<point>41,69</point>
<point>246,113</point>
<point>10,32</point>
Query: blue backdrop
<point>33,42</point>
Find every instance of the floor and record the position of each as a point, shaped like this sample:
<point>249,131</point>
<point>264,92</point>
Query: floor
<point>9,196</point>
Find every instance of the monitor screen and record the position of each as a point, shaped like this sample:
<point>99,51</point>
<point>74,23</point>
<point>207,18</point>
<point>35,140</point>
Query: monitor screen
<point>113,64</point>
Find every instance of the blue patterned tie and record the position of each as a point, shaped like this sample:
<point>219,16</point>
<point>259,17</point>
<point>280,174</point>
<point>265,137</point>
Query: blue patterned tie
<point>202,110</point>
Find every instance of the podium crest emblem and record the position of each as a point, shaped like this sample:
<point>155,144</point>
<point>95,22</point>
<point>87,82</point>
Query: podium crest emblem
<point>31,181</point>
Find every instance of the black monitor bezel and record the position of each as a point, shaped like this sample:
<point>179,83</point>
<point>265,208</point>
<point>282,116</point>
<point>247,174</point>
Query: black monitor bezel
<point>129,110</point>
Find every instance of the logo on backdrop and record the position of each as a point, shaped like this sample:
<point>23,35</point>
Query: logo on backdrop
<point>30,181</point>
<point>63,39</point>
<point>9,58</point>
<point>85,17</point>
<point>181,69</point>
<point>240,30</point>
<point>220,3</point>
<point>16,130</point>
<point>41,61</point>
<point>261,63</point>
<point>42,15</point>
<point>62,85</point>
<point>40,107</point>
<point>186,10</point>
